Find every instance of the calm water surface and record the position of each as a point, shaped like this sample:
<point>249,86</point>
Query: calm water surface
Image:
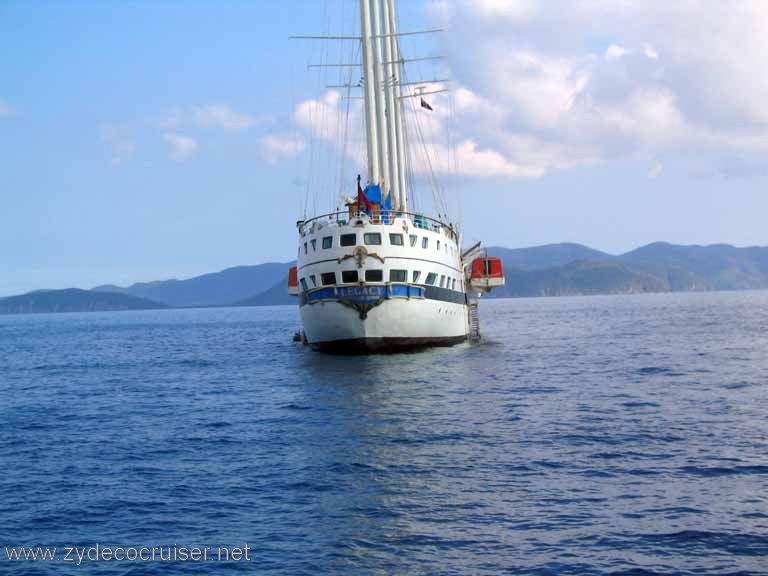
<point>621,435</point>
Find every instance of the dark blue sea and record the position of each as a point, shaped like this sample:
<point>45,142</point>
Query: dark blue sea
<point>592,435</point>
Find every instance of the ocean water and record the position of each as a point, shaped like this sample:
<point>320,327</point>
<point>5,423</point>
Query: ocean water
<point>599,435</point>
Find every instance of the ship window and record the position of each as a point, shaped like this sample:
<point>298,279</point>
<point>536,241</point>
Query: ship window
<point>374,276</point>
<point>431,277</point>
<point>305,247</point>
<point>425,242</point>
<point>327,242</point>
<point>313,279</point>
<point>438,245</point>
<point>453,284</point>
<point>413,239</point>
<point>314,244</point>
<point>349,276</point>
<point>396,239</point>
<point>348,239</point>
<point>304,284</point>
<point>442,280</point>
<point>416,275</point>
<point>328,278</point>
<point>398,275</point>
<point>372,238</point>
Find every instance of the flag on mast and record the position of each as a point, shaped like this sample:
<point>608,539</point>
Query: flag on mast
<point>362,199</point>
<point>425,104</point>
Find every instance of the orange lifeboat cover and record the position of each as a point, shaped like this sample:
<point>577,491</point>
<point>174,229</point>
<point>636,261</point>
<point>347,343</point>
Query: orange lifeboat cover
<point>293,277</point>
<point>489,267</point>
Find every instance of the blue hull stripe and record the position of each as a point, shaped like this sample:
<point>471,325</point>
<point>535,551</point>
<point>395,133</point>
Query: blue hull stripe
<point>371,294</point>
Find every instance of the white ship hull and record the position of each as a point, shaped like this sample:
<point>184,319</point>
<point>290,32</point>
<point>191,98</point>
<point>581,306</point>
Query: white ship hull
<point>394,325</point>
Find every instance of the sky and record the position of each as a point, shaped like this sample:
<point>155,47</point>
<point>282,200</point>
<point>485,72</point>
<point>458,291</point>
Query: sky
<point>150,140</point>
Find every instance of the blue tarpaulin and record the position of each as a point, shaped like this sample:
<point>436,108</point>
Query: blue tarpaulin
<point>373,194</point>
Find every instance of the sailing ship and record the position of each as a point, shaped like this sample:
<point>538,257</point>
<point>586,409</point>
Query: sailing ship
<point>376,276</point>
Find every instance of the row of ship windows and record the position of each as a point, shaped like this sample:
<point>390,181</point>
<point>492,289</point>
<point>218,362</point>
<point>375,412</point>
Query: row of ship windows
<point>352,277</point>
<point>371,239</point>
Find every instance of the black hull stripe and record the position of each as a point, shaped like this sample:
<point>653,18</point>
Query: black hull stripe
<point>444,295</point>
<point>384,345</point>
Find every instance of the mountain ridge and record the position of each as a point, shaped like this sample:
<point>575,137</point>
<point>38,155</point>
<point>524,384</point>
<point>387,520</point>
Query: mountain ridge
<point>548,270</point>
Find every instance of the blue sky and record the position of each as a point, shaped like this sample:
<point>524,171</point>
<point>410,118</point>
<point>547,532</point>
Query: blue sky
<point>143,141</point>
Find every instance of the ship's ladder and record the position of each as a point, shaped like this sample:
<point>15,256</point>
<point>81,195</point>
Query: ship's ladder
<point>474,321</point>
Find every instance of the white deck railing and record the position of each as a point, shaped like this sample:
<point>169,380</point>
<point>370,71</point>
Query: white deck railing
<point>344,218</point>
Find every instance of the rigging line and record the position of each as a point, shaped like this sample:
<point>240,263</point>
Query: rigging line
<point>322,174</point>
<point>347,120</point>
<point>417,151</point>
<point>419,59</point>
<point>410,176</point>
<point>336,162</point>
<point>433,81</point>
<point>414,95</point>
<point>292,127</point>
<point>447,182</point>
<point>409,163</point>
<point>411,167</point>
<point>437,199</point>
<point>409,181</point>
<point>454,163</point>
<point>337,149</point>
<point>373,36</point>
<point>315,131</point>
<point>438,188</point>
<point>340,183</point>
<point>353,65</point>
<point>422,148</point>
<point>359,64</point>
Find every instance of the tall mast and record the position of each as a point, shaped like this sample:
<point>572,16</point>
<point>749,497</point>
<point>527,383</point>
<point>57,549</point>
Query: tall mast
<point>369,85</point>
<point>381,112</point>
<point>389,91</point>
<point>397,117</point>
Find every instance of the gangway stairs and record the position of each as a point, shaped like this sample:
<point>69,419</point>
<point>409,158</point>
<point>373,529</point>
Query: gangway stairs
<point>474,321</point>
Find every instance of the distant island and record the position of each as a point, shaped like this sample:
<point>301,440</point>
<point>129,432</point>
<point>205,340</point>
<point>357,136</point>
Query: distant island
<point>73,300</point>
<point>552,270</point>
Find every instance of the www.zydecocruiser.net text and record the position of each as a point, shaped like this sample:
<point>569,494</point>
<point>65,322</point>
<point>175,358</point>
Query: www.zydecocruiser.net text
<point>78,555</point>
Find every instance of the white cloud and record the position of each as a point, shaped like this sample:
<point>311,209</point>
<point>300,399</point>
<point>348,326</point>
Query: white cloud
<point>489,10</point>
<point>277,147</point>
<point>510,9</point>
<point>322,115</point>
<point>614,52</point>
<point>686,75</point>
<point>222,116</point>
<point>182,147</point>
<point>218,116</point>
<point>656,170</point>
<point>650,52</point>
